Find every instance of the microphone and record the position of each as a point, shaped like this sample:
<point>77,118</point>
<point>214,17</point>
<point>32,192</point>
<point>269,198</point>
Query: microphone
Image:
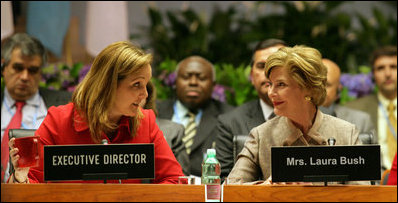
<point>331,141</point>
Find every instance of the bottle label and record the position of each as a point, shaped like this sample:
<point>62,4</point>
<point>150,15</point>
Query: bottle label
<point>213,192</point>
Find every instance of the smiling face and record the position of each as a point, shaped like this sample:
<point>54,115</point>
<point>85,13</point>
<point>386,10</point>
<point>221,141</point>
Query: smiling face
<point>194,82</point>
<point>130,92</point>
<point>286,94</point>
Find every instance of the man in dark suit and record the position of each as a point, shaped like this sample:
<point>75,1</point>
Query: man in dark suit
<point>22,57</point>
<point>384,69</point>
<point>250,114</point>
<point>194,86</point>
<point>361,119</point>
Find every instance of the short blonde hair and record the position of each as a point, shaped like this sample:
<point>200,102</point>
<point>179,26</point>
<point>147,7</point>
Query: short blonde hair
<point>305,66</point>
<point>94,96</point>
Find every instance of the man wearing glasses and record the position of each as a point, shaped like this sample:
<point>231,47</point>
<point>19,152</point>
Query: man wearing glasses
<point>22,58</point>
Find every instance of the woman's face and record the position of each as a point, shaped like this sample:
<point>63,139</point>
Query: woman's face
<point>285,93</point>
<point>130,92</point>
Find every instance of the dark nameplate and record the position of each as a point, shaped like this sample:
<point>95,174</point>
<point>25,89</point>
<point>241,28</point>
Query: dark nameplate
<point>325,163</point>
<point>99,162</point>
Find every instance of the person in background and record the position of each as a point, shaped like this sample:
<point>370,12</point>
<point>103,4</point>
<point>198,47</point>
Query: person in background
<point>361,119</point>
<point>382,106</point>
<point>105,105</point>
<point>392,178</point>
<point>250,114</point>
<point>172,131</point>
<point>194,108</point>
<point>22,58</point>
<point>297,79</point>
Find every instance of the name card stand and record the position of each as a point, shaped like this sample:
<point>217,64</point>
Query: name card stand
<point>104,176</point>
<point>99,162</point>
<point>325,163</point>
<point>325,178</point>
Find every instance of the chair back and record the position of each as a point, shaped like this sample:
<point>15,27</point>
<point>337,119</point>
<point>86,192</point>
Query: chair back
<point>366,137</point>
<point>238,143</point>
<point>18,133</point>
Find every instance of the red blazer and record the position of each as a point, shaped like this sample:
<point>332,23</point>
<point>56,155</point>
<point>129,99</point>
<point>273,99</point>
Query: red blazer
<point>392,178</point>
<point>61,127</point>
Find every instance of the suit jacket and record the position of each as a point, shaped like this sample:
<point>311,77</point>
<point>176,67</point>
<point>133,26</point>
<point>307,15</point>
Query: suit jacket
<point>254,161</point>
<point>174,132</point>
<point>50,97</point>
<point>237,122</point>
<point>360,119</point>
<point>368,104</point>
<point>206,131</point>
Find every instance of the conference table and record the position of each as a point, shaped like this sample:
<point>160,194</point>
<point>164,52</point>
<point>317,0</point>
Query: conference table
<point>61,192</point>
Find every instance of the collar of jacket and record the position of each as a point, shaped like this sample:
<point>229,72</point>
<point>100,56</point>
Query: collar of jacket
<point>313,132</point>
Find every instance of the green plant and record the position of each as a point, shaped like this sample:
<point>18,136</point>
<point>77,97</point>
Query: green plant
<point>229,35</point>
<point>236,82</point>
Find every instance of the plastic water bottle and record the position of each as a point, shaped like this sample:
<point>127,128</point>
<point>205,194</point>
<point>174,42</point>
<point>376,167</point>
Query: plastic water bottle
<point>211,170</point>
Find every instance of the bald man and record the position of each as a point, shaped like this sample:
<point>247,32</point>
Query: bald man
<point>359,118</point>
<point>194,87</point>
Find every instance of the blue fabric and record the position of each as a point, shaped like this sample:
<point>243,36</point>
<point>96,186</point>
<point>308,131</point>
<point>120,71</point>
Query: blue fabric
<point>48,21</point>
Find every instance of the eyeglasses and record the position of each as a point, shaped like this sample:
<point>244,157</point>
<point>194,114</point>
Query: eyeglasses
<point>18,68</point>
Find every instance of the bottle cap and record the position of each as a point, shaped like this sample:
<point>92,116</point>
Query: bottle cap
<point>211,152</point>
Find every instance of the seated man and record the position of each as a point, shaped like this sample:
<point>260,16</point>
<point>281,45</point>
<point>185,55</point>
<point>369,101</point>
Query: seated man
<point>382,106</point>
<point>361,119</point>
<point>22,57</point>
<point>194,108</point>
<point>250,114</point>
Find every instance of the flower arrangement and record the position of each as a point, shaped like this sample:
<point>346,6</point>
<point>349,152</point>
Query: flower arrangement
<point>62,77</point>
<point>356,85</point>
<point>232,83</point>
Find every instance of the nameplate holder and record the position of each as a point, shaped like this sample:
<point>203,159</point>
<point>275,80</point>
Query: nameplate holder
<point>325,163</point>
<point>99,162</point>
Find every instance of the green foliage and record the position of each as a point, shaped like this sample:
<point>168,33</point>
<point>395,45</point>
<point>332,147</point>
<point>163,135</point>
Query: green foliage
<point>228,37</point>
<point>236,79</point>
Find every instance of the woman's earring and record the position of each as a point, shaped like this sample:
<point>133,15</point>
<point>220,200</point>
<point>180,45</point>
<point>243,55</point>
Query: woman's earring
<point>308,98</point>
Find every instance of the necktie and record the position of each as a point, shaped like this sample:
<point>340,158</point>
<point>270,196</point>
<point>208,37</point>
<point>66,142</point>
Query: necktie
<point>391,140</point>
<point>190,132</point>
<point>14,123</point>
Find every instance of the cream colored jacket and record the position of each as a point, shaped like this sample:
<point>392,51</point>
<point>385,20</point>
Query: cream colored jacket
<point>254,161</point>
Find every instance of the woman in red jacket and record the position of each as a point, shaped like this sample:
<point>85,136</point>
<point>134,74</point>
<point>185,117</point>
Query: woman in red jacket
<point>105,105</point>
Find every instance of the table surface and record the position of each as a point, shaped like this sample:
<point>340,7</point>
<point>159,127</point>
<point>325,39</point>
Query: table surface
<point>60,192</point>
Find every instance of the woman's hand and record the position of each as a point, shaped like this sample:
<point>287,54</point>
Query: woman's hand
<point>20,174</point>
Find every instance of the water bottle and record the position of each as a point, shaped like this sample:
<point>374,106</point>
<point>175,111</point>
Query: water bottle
<point>211,170</point>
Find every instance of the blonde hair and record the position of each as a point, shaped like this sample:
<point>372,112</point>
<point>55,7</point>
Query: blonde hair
<point>94,96</point>
<point>305,66</point>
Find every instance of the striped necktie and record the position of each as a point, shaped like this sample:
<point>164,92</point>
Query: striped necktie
<point>391,140</point>
<point>190,132</point>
